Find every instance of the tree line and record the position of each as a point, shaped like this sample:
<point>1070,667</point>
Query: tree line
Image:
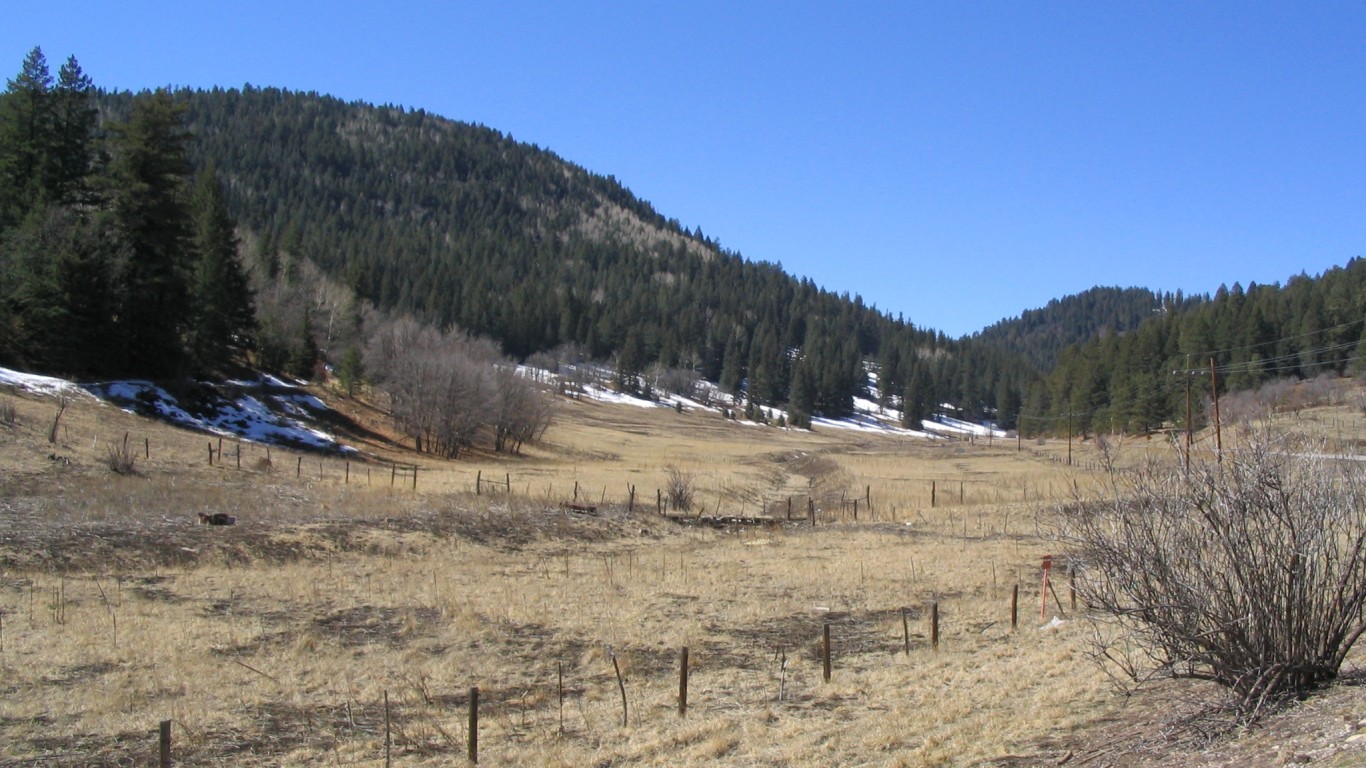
<point>116,258</point>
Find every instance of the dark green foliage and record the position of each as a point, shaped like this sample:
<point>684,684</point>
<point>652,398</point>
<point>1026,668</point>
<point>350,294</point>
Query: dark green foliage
<point>225,314</point>
<point>351,372</point>
<point>1138,381</point>
<point>148,192</point>
<point>463,227</point>
<point>304,359</point>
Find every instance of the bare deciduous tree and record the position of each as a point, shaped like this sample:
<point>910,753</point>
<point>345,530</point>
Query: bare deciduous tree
<point>522,412</point>
<point>1250,571</point>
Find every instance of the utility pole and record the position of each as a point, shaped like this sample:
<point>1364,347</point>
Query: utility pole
<point>1069,438</point>
<point>1218,433</point>
<point>1189,441</point>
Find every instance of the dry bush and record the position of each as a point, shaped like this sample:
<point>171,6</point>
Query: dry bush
<point>679,489</point>
<point>121,459</point>
<point>1250,571</point>
<point>8,414</point>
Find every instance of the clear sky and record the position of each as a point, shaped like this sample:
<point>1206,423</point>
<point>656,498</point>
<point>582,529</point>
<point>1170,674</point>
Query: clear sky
<point>954,162</point>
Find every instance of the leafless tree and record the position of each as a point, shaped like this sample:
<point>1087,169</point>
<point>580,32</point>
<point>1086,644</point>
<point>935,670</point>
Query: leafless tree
<point>446,390</point>
<point>523,411</point>
<point>1250,571</point>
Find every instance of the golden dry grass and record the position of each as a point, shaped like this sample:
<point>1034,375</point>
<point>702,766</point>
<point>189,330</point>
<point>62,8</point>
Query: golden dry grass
<point>276,641</point>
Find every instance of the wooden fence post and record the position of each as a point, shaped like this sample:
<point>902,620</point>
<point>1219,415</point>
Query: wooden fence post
<point>825,651</point>
<point>164,745</point>
<point>479,483</point>
<point>683,682</point>
<point>1014,607</point>
<point>934,625</point>
<point>299,467</point>
<point>932,494</point>
<point>905,633</point>
<point>474,724</point>
<point>211,453</point>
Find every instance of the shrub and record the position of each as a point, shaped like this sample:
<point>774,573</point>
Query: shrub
<point>1250,572</point>
<point>679,488</point>
<point>121,458</point>
<point>9,416</point>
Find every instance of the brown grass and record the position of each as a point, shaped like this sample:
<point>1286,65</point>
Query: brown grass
<point>275,641</point>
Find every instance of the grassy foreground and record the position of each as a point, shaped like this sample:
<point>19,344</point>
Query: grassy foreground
<point>277,641</point>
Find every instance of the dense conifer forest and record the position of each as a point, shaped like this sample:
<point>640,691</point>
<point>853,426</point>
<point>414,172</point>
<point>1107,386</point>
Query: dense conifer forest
<point>166,233</point>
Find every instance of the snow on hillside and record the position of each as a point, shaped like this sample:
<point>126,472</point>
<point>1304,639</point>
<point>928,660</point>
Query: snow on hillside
<point>868,416</point>
<point>267,410</point>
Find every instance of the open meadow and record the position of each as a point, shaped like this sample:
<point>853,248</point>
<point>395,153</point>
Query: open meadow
<point>347,616</point>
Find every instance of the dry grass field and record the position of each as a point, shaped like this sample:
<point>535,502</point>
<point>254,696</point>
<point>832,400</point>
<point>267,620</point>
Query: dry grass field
<point>346,616</point>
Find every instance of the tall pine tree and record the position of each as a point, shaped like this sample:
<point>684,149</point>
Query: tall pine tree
<point>147,186</point>
<point>225,316</point>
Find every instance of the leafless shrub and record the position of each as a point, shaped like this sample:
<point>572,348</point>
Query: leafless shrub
<point>1250,572</point>
<point>679,488</point>
<point>678,381</point>
<point>62,403</point>
<point>9,416</point>
<point>121,459</point>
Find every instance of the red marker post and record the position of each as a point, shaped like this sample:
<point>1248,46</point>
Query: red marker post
<point>1043,594</point>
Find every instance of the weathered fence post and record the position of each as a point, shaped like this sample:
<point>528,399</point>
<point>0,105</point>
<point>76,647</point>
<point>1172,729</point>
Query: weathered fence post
<point>825,651</point>
<point>932,494</point>
<point>905,633</point>
<point>388,739</point>
<point>1014,607</point>
<point>479,483</point>
<point>683,682</point>
<point>474,724</point>
<point>934,625</point>
<point>164,745</point>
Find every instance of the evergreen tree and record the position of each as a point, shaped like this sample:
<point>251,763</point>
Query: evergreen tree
<point>225,314</point>
<point>352,371</point>
<point>305,357</point>
<point>74,118</point>
<point>25,138</point>
<point>147,189</point>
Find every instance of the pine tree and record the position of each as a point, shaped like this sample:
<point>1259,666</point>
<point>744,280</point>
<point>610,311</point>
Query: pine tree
<point>74,118</point>
<point>147,189</point>
<point>25,136</point>
<point>305,356</point>
<point>225,316</point>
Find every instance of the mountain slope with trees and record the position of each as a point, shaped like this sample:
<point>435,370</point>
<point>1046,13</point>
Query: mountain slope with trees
<point>165,234</point>
<point>461,226</point>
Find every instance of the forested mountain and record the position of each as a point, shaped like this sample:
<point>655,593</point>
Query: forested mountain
<point>1137,381</point>
<point>462,226</point>
<point>134,228</point>
<point>1042,334</point>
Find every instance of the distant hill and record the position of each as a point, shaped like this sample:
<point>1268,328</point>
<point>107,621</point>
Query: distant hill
<point>461,225</point>
<point>1042,334</point>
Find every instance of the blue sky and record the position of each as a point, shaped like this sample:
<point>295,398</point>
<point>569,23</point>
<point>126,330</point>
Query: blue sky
<point>955,162</point>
